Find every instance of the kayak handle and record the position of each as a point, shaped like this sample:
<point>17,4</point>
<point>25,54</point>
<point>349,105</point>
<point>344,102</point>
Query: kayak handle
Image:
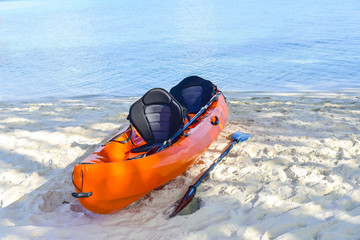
<point>81,194</point>
<point>214,120</point>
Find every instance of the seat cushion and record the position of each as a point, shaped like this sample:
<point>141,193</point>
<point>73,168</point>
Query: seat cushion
<point>157,116</point>
<point>193,93</point>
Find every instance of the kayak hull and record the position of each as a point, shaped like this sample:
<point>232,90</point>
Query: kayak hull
<point>115,182</point>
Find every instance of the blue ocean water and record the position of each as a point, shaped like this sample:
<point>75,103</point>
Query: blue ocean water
<point>77,48</point>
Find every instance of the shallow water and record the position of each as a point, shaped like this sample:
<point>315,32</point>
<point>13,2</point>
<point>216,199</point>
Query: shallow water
<point>68,49</point>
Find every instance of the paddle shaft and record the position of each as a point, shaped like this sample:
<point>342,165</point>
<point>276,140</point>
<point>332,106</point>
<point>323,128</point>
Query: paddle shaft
<point>205,174</point>
<point>241,137</point>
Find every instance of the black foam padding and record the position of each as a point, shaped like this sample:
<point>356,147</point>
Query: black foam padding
<point>193,93</point>
<point>157,116</point>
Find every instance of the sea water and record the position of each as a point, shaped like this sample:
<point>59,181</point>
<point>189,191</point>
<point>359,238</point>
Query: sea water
<point>115,48</point>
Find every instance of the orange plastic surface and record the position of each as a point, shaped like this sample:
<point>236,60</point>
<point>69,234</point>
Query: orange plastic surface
<point>116,183</point>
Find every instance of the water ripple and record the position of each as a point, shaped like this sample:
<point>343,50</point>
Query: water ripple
<point>124,48</point>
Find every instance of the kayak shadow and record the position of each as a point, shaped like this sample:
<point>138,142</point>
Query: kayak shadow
<point>52,196</point>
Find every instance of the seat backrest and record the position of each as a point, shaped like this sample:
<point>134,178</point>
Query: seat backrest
<point>157,116</point>
<point>193,93</point>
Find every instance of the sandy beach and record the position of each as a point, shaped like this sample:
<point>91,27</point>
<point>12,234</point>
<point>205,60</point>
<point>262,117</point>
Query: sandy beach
<point>298,177</point>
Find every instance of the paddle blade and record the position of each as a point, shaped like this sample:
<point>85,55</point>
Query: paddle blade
<point>240,137</point>
<point>189,195</point>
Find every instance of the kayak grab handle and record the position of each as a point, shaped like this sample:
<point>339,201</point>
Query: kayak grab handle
<point>214,120</point>
<point>81,195</point>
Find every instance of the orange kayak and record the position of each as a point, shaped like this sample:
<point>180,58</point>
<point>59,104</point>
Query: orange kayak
<point>107,181</point>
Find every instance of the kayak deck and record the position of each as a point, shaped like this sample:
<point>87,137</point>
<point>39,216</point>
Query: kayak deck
<point>115,182</point>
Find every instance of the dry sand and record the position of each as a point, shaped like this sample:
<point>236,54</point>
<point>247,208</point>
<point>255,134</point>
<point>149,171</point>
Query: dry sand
<point>298,177</point>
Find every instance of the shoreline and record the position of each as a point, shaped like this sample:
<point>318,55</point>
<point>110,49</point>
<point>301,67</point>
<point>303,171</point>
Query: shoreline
<point>297,177</point>
<point>235,94</point>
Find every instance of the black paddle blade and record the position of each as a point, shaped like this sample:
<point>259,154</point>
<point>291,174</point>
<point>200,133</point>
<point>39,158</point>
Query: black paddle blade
<point>184,201</point>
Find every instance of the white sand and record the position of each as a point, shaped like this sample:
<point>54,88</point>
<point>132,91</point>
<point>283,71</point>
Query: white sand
<point>297,178</point>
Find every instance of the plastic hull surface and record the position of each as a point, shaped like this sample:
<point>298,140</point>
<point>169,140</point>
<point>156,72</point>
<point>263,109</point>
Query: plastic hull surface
<point>115,183</point>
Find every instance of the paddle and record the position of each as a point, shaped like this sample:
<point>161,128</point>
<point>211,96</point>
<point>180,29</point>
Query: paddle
<point>189,195</point>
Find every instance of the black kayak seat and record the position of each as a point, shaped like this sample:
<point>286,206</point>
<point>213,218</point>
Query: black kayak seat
<point>157,116</point>
<point>193,93</point>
